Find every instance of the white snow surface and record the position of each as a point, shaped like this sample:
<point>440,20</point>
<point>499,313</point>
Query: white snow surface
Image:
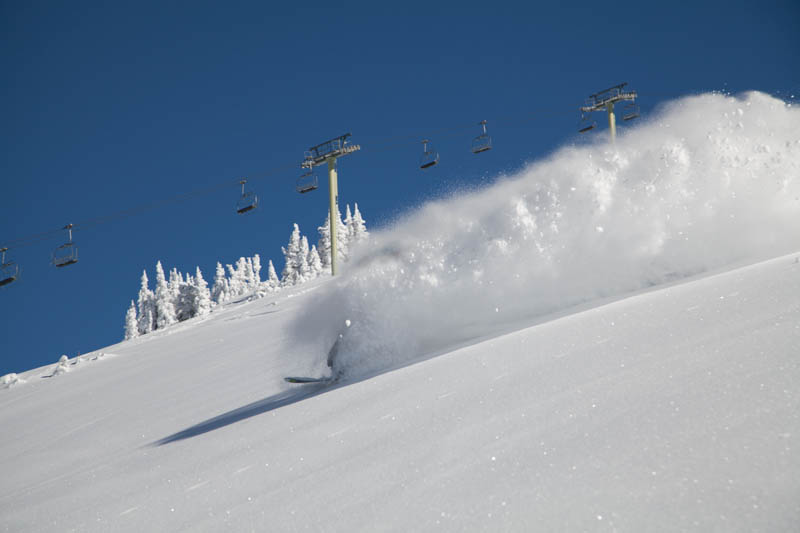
<point>674,409</point>
<point>528,357</point>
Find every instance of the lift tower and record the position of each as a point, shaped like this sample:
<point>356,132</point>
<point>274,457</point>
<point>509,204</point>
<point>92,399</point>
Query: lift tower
<point>328,152</point>
<point>605,100</point>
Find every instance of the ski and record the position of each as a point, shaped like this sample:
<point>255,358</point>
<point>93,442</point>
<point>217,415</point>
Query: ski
<point>292,379</point>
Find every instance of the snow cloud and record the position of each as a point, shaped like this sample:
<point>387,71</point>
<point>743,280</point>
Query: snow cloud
<point>708,181</point>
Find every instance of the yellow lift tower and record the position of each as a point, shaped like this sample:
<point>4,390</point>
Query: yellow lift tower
<point>320,154</point>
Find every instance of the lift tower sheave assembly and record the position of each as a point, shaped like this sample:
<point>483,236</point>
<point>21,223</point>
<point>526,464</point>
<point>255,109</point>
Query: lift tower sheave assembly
<point>604,101</point>
<point>321,154</point>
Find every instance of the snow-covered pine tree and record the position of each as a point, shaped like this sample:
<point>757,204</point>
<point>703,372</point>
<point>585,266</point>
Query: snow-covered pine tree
<point>359,228</point>
<point>314,262</point>
<point>291,271</point>
<point>235,281</point>
<point>232,284</point>
<point>273,282</point>
<point>185,302</point>
<point>244,269</point>
<point>342,238</point>
<point>131,324</point>
<point>220,289</point>
<point>147,308</point>
<point>250,276</point>
<point>305,272</point>
<point>165,308</point>
<point>348,223</point>
<point>174,283</point>
<point>256,272</point>
<point>324,243</point>
<point>202,295</point>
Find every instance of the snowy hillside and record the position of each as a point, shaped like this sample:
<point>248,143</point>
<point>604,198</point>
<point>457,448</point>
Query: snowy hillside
<point>607,341</point>
<point>674,409</point>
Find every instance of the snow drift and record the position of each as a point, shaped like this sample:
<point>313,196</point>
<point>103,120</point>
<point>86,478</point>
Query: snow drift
<point>710,180</point>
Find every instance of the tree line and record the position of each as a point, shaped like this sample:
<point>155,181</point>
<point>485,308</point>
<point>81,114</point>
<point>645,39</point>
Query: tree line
<point>184,296</point>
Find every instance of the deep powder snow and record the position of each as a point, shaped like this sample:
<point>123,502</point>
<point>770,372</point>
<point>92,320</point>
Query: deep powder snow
<point>709,181</point>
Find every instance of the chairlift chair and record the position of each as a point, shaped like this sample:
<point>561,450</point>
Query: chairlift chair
<point>307,182</point>
<point>429,156</point>
<point>586,124</point>
<point>247,202</point>
<point>67,253</point>
<point>482,142</point>
<point>9,271</point>
<point>630,111</point>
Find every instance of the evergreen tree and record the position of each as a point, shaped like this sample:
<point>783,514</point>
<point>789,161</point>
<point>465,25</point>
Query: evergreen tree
<point>314,262</point>
<point>348,223</point>
<point>342,238</point>
<point>272,277</point>
<point>238,280</point>
<point>359,227</point>
<point>302,259</point>
<point>232,282</point>
<point>291,271</point>
<point>131,324</point>
<point>324,243</point>
<point>185,301</point>
<point>202,295</point>
<point>147,309</point>
<point>220,289</point>
<point>256,271</point>
<point>174,284</point>
<point>165,307</point>
<point>250,276</point>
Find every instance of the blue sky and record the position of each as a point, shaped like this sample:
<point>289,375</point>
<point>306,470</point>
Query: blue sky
<point>111,106</point>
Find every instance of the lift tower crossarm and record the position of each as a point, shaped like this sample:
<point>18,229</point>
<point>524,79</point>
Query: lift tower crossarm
<point>600,100</point>
<point>321,154</point>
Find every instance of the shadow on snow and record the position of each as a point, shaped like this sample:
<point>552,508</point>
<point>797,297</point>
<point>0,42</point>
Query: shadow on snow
<point>276,401</point>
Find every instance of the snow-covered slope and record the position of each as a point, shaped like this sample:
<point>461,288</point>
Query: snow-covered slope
<point>674,409</point>
<point>530,356</point>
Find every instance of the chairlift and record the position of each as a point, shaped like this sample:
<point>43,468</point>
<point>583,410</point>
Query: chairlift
<point>247,202</point>
<point>307,182</point>
<point>9,271</point>
<point>482,142</point>
<point>586,123</point>
<point>429,156</point>
<point>630,111</point>
<point>67,253</point>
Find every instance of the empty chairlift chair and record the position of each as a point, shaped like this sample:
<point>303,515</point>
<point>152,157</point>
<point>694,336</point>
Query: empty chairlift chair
<point>307,181</point>
<point>630,111</point>
<point>67,253</point>
<point>247,202</point>
<point>429,156</point>
<point>586,123</point>
<point>9,271</point>
<point>482,142</point>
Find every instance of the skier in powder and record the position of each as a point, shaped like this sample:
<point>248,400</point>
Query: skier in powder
<point>333,364</point>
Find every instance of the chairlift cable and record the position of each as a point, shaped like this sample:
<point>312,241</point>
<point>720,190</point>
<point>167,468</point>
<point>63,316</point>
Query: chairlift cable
<point>376,145</point>
<point>379,144</point>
